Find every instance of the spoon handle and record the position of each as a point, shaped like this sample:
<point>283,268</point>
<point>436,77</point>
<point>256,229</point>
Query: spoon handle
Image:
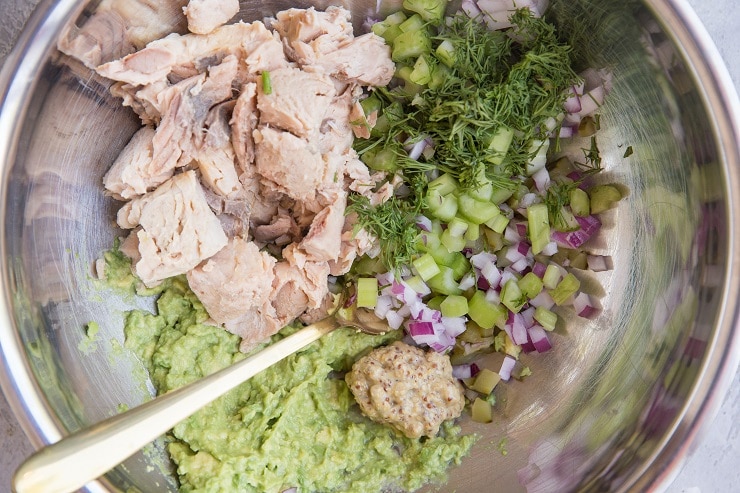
<point>87,454</point>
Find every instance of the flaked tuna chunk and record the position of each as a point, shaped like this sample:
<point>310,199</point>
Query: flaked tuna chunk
<point>298,101</point>
<point>288,162</point>
<point>255,326</point>
<point>308,33</point>
<point>186,106</point>
<point>281,230</point>
<point>120,27</point>
<point>335,133</point>
<point>323,241</point>
<point>354,243</point>
<point>255,47</point>
<point>128,176</point>
<point>235,280</point>
<point>364,60</point>
<point>233,211</point>
<point>143,100</point>
<point>178,229</point>
<point>215,155</point>
<point>206,15</point>
<point>298,287</point>
<point>244,121</point>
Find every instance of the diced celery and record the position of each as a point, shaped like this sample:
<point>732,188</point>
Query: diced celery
<point>580,202</point>
<point>403,72</point>
<point>481,411</point>
<point>603,198</point>
<point>459,264</point>
<point>472,233</point>
<point>435,302</point>
<point>499,144</point>
<point>551,277</point>
<point>476,211</point>
<point>530,285</point>
<point>440,73</point>
<point>396,18</point>
<point>442,255</point>
<point>430,10</point>
<point>381,126</point>
<point>498,223</point>
<point>546,318</point>
<point>444,282</point>
<point>512,297</point>
<point>494,240</point>
<point>579,260</point>
<point>380,159</point>
<point>485,313</point>
<point>564,220</point>
<point>390,33</point>
<point>443,207</point>
<point>457,226</point>
<point>427,241</point>
<point>266,83</point>
<point>426,266</point>
<point>410,44</point>
<point>367,292</point>
<point>446,53</point>
<point>485,381</point>
<point>510,348</point>
<point>454,306</point>
<point>366,266</point>
<point>500,195</point>
<point>417,284</point>
<point>451,242</point>
<point>444,184</point>
<point>538,226</point>
<point>566,288</point>
<point>413,23</point>
<point>422,72</point>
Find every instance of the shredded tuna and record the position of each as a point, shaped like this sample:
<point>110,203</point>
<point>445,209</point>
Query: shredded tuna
<point>245,189</point>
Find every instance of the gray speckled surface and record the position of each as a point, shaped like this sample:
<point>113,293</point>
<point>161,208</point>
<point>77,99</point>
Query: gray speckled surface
<point>714,466</point>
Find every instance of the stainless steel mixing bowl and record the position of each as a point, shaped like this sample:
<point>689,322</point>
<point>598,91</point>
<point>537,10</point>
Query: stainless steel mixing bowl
<point>614,407</point>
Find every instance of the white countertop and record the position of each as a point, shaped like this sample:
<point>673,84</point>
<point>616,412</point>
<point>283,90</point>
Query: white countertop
<point>714,466</point>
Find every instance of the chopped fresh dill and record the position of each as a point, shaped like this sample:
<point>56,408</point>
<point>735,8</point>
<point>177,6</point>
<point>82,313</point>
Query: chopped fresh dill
<point>393,223</point>
<point>500,83</point>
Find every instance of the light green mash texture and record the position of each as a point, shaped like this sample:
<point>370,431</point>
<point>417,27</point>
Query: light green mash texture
<point>294,425</point>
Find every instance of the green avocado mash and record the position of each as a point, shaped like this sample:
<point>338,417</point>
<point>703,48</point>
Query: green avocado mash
<point>294,425</point>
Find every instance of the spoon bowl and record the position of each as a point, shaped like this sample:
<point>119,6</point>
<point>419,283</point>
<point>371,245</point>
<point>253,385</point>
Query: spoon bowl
<point>87,454</point>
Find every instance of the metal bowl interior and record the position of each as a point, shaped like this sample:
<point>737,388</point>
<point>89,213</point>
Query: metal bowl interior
<point>613,407</point>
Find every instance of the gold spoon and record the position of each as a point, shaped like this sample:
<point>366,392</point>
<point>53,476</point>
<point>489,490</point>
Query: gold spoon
<point>75,460</point>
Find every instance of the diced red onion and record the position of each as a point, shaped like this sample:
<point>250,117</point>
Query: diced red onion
<point>513,254</point>
<point>539,269</point>
<point>550,249</point>
<point>521,229</point>
<point>572,103</point>
<point>541,179</point>
<point>506,367</point>
<point>507,276</point>
<point>453,326</point>
<point>520,265</point>
<point>424,223</point>
<point>592,101</point>
<point>479,260</point>
<point>511,235</point>
<point>385,279</point>
<point>394,319</point>
<point>566,131</point>
<point>543,300</point>
<point>467,281</point>
<point>491,274</point>
<point>527,200</point>
<point>539,338</point>
<point>585,306</point>
<point>482,283</point>
<point>599,263</point>
<point>465,371</point>
<point>518,330</point>
<point>528,316</point>
<point>382,306</point>
<point>493,296</point>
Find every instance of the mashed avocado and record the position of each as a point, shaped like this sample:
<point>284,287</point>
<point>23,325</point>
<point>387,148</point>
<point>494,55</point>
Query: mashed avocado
<point>294,425</point>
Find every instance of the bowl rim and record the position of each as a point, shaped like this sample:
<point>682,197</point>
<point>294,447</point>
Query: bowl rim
<point>716,89</point>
